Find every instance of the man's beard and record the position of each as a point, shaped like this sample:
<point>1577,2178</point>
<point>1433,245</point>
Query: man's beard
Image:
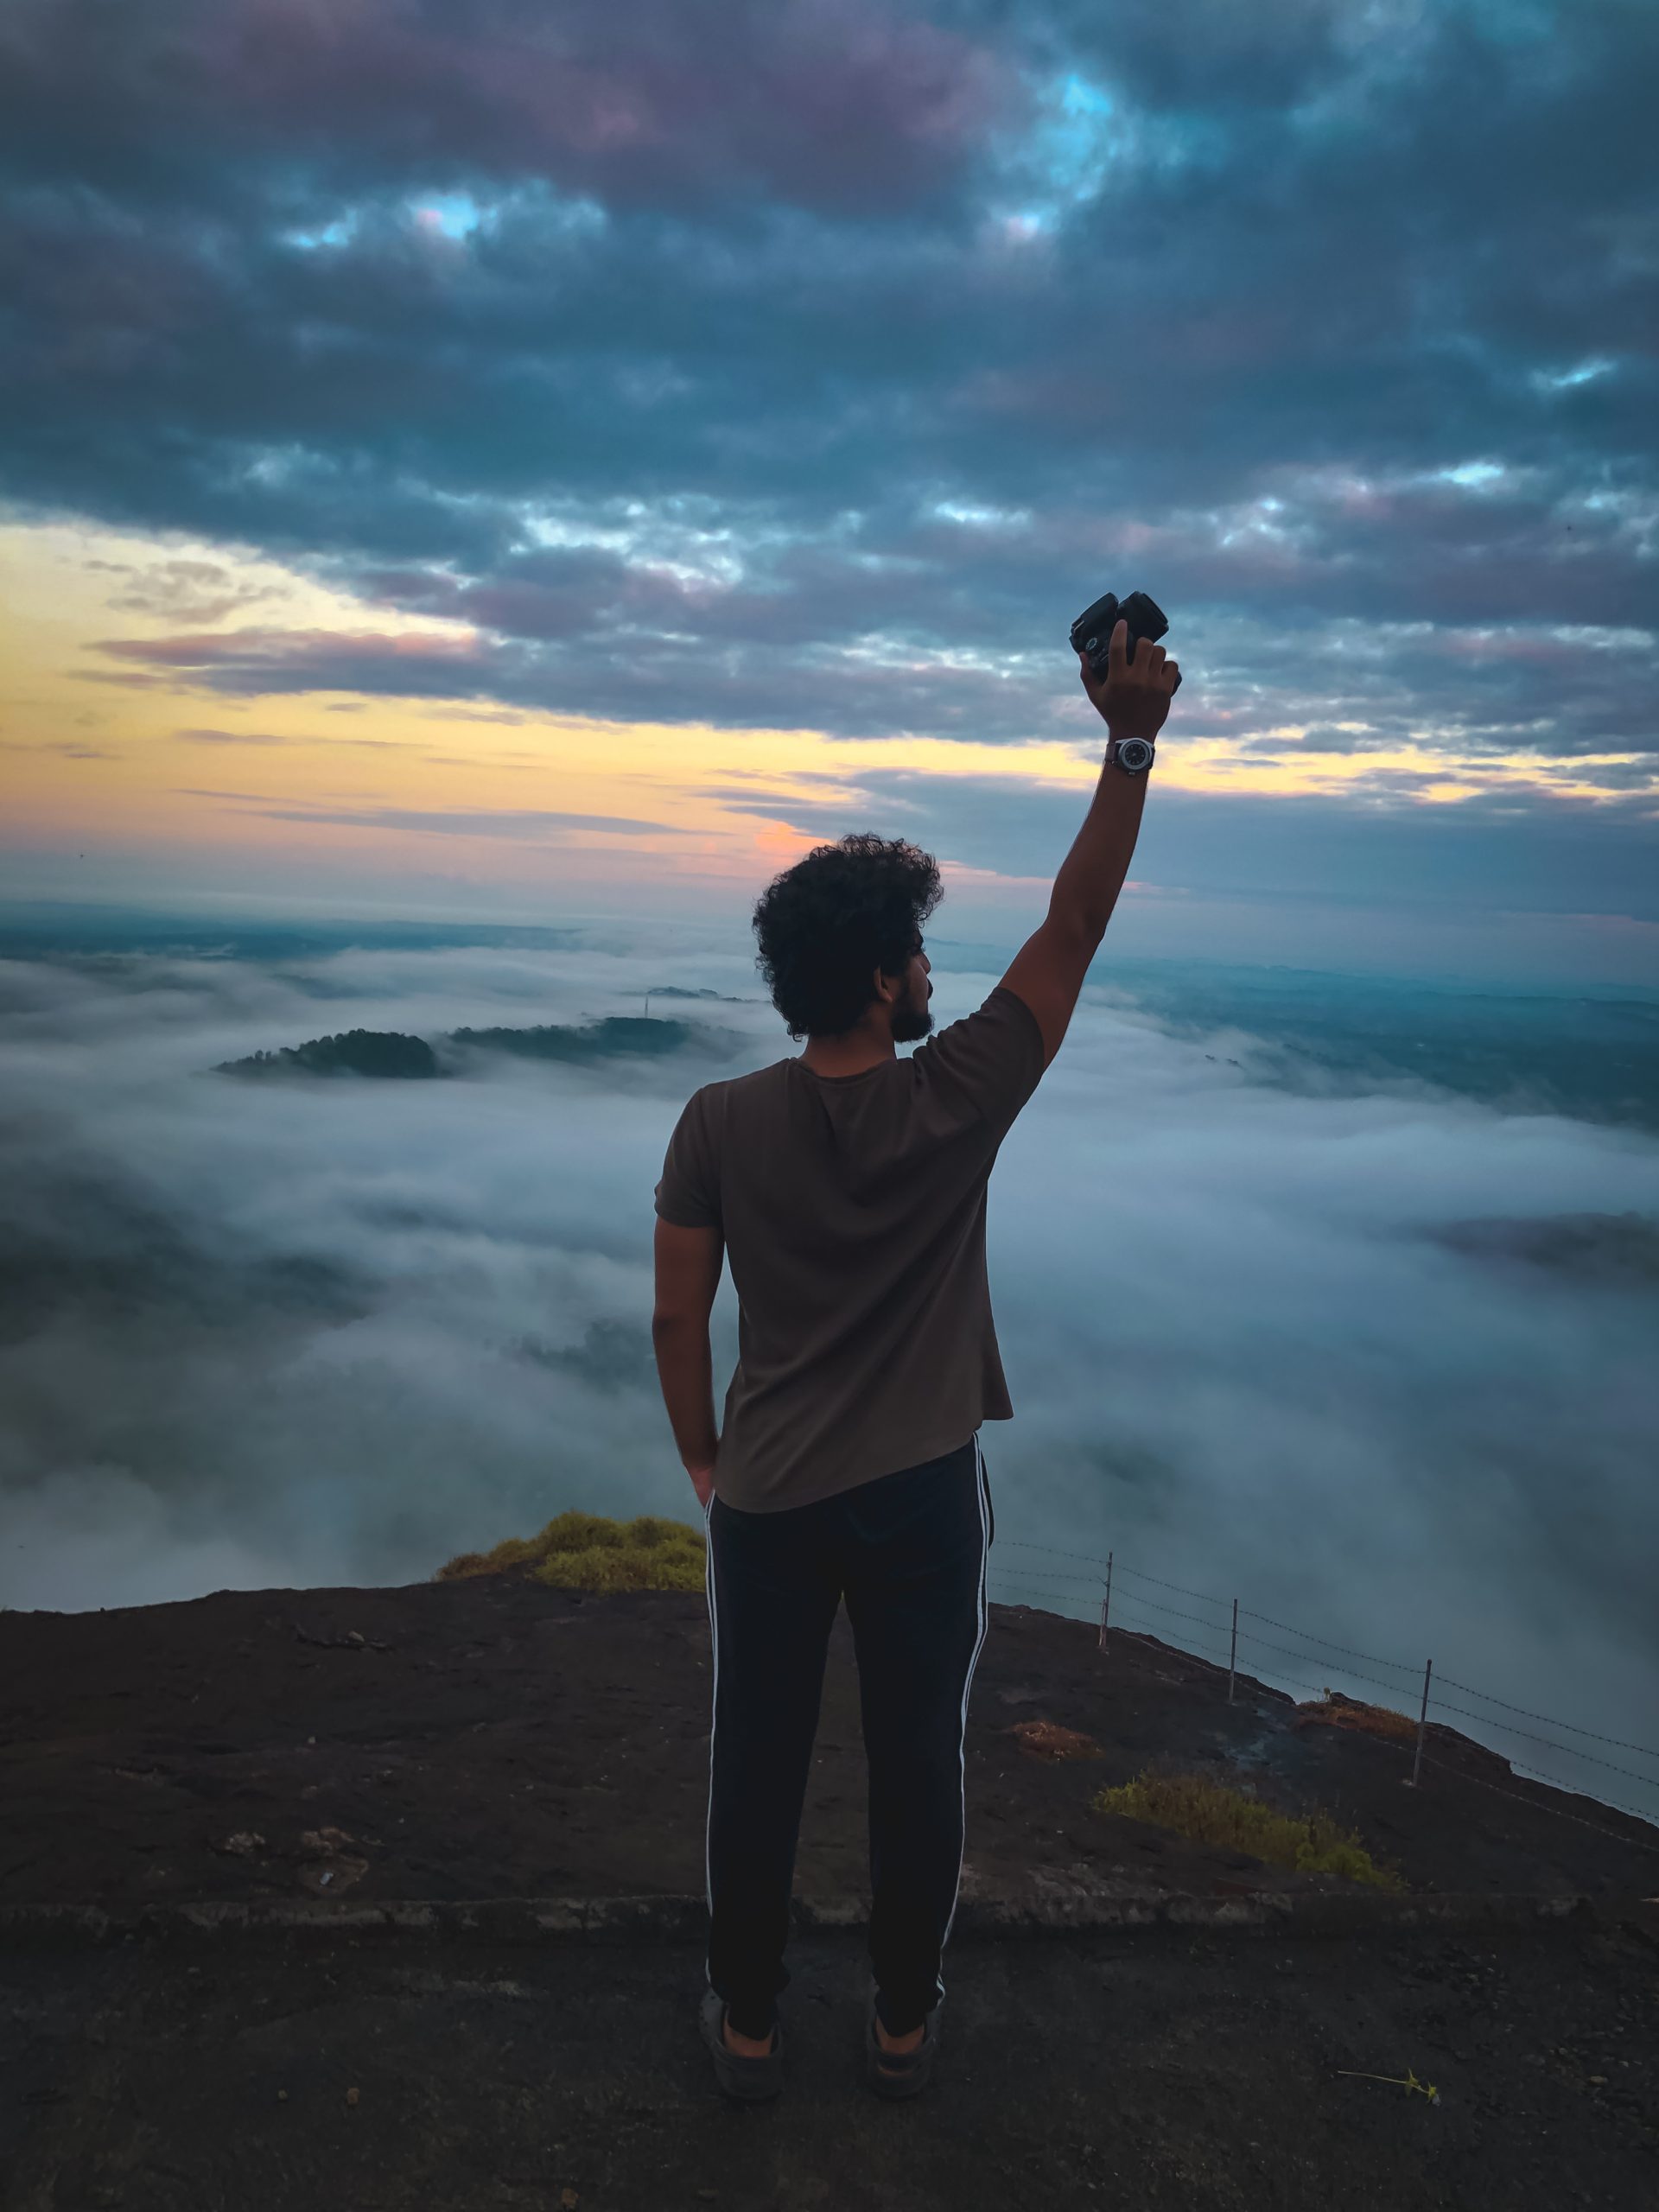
<point>913,1024</point>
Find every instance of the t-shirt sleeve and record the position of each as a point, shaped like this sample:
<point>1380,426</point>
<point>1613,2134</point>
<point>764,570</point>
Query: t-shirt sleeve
<point>991,1060</point>
<point>689,1194</point>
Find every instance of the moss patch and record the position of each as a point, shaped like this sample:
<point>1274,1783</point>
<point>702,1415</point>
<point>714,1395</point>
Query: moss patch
<point>1209,1813</point>
<point>586,1551</point>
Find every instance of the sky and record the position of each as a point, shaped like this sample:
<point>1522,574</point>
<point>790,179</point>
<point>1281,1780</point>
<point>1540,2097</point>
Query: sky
<point>495,460</point>
<point>1290,1310</point>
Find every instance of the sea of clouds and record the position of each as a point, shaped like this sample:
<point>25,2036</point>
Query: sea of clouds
<point>1373,1356</point>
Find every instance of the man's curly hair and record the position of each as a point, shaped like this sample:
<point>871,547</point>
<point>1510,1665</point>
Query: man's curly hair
<point>826,925</point>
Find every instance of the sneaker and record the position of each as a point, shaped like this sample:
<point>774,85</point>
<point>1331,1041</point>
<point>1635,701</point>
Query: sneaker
<point>899,2073</point>
<point>752,2080</point>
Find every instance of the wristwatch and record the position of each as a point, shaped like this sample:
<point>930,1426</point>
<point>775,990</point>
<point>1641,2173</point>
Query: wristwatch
<point>1133,755</point>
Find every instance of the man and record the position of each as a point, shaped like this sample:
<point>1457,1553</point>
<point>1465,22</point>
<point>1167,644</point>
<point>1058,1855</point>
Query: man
<point>848,1188</point>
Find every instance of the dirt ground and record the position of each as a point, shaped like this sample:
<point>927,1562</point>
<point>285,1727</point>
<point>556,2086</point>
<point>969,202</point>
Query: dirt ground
<point>1153,2070</point>
<point>495,1738</point>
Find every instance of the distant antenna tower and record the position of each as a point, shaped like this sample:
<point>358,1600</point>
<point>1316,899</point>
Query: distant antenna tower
<point>647,1005</point>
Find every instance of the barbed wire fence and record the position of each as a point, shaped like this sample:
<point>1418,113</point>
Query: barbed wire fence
<point>1232,1641</point>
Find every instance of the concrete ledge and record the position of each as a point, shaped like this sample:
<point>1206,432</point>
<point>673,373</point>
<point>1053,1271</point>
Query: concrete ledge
<point>1052,1908</point>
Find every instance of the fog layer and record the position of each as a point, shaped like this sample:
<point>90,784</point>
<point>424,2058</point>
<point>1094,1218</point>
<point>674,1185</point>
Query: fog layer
<point>1372,1354</point>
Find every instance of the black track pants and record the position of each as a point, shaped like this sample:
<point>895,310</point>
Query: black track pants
<point>908,1552</point>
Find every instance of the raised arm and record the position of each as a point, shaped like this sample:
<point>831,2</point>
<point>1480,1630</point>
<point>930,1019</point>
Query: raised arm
<point>1047,971</point>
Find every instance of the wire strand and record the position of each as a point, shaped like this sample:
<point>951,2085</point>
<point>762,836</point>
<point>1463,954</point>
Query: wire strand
<point>1647,1780</point>
<point>1572,1727</point>
<point>1404,1666</point>
<point>1037,1591</point>
<point>1248,1636</point>
<point>1636,1843</point>
<point>1133,1598</point>
<point>1019,1543</point>
<point>1203,1596</point>
<point>1219,1662</point>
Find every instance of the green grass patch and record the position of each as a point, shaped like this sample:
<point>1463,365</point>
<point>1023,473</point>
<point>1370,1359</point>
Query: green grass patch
<point>1208,1812</point>
<point>587,1551</point>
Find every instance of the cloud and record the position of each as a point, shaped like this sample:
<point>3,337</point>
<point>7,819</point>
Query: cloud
<point>1355,1340</point>
<point>67,748</point>
<point>232,737</point>
<point>529,822</point>
<point>535,824</point>
<point>838,103</point>
<point>257,661</point>
<point>1507,850</point>
<point>810,365</point>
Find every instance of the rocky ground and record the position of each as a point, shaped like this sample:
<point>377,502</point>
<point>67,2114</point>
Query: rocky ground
<point>495,1739</point>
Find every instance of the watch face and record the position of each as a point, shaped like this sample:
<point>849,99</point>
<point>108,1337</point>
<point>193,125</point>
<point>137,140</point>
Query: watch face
<point>1134,754</point>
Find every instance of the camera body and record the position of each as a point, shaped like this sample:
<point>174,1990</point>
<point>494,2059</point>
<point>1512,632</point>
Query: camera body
<point>1091,633</point>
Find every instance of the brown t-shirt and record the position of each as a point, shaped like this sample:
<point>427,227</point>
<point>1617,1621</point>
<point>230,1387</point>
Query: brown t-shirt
<point>853,1210</point>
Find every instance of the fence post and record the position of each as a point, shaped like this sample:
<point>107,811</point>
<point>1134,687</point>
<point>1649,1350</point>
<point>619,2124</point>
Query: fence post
<point>1422,1724</point>
<point>1232,1656</point>
<point>1106,1604</point>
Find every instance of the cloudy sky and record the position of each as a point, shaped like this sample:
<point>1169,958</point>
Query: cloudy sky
<point>492,459</point>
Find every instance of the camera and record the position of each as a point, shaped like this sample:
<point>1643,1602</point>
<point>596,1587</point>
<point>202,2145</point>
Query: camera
<point>1091,633</point>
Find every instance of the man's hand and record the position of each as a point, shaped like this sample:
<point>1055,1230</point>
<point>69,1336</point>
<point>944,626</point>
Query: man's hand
<point>702,1481</point>
<point>1134,698</point>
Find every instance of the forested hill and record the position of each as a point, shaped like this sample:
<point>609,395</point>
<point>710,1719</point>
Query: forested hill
<point>354,1051</point>
<point>388,1053</point>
